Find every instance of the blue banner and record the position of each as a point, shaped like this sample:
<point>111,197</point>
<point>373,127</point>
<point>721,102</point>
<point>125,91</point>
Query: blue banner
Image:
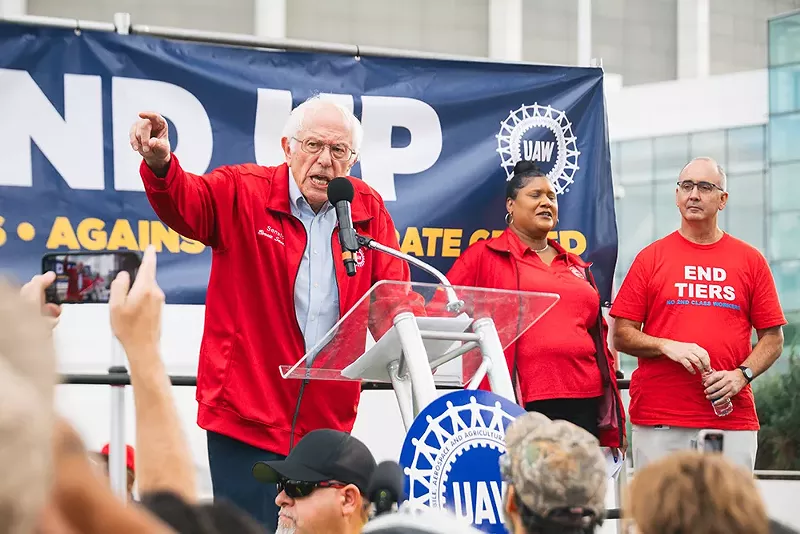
<point>440,140</point>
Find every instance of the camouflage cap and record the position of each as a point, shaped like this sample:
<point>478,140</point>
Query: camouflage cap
<point>554,464</point>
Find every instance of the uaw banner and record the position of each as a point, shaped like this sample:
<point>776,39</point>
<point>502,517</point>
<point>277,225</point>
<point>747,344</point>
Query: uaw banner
<point>440,140</point>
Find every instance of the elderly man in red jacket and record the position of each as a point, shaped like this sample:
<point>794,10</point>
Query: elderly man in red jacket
<point>277,285</point>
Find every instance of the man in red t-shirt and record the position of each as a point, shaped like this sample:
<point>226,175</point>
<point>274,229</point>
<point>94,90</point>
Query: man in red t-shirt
<point>688,305</point>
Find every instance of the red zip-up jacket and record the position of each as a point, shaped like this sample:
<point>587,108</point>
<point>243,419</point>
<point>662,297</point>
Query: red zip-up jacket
<point>491,264</point>
<point>242,212</point>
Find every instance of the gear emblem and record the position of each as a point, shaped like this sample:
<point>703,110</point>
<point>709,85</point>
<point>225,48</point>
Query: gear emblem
<point>560,152</point>
<point>455,431</point>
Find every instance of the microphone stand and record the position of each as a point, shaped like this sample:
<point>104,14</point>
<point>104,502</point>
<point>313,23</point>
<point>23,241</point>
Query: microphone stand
<point>454,304</point>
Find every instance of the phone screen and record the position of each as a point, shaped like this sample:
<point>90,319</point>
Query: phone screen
<point>86,277</point>
<point>712,442</point>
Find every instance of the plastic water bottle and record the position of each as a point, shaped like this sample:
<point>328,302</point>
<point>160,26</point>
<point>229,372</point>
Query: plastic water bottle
<point>721,408</point>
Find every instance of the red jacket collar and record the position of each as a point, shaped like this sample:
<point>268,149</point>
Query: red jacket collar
<point>503,243</point>
<point>279,196</point>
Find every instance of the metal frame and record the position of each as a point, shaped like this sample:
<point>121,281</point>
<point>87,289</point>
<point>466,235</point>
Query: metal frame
<point>122,24</point>
<point>412,377</point>
<point>414,364</point>
<point>117,465</point>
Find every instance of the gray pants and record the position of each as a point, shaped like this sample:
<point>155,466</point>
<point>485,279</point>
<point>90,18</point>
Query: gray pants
<point>653,443</point>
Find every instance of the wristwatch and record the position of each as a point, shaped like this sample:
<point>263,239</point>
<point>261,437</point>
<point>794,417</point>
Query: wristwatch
<point>747,372</point>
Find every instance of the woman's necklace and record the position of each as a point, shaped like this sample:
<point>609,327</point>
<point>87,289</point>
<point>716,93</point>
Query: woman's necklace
<point>539,251</point>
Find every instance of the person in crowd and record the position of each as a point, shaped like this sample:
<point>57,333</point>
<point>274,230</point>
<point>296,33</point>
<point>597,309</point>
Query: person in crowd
<point>49,485</point>
<point>694,492</point>
<point>277,285</point>
<point>75,280</point>
<point>556,476</point>
<point>562,366</point>
<point>686,310</point>
<point>101,459</point>
<point>322,484</point>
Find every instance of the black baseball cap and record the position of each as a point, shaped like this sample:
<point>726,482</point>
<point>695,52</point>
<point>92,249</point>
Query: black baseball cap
<point>321,456</point>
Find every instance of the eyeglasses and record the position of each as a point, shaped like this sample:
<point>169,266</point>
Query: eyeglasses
<point>297,488</point>
<point>687,186</point>
<point>339,151</point>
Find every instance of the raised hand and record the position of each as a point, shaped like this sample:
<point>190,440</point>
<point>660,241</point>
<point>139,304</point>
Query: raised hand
<point>136,311</point>
<point>149,136</point>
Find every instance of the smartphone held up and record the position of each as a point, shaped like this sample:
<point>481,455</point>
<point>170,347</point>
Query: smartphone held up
<point>85,277</point>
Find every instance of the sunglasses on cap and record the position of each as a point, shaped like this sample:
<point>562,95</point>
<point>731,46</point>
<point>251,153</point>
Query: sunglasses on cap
<point>298,488</point>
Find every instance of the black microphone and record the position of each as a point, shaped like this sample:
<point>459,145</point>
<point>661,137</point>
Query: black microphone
<point>386,487</point>
<point>340,195</point>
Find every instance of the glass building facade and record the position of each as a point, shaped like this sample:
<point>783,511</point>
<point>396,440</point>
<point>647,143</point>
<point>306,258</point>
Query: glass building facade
<point>783,160</point>
<point>763,167</point>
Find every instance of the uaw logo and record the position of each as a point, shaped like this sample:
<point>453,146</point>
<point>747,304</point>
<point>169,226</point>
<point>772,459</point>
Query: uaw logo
<point>360,259</point>
<point>577,272</point>
<point>451,454</point>
<point>542,135</point>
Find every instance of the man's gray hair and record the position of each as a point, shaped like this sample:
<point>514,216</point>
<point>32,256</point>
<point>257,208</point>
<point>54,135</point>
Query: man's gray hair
<point>297,119</point>
<point>723,178</point>
<point>27,417</point>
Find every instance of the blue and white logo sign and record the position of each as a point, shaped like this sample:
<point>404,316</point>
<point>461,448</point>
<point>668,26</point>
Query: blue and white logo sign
<point>451,452</point>
<point>543,135</point>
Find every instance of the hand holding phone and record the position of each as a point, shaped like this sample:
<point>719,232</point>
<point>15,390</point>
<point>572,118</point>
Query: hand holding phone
<point>35,292</point>
<point>85,277</point>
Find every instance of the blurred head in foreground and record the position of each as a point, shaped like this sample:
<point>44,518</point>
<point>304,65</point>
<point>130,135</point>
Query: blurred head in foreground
<point>27,380</point>
<point>556,475</point>
<point>419,520</point>
<point>698,492</point>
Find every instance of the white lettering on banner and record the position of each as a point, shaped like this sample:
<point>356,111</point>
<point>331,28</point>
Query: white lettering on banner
<point>129,97</point>
<point>272,111</point>
<point>694,290</point>
<point>538,150</point>
<point>28,114</point>
<point>381,161</point>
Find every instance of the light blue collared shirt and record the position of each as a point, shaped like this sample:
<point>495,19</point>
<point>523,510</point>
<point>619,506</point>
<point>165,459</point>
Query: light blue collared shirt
<point>316,293</point>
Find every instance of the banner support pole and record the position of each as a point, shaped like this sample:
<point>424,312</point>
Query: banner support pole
<point>251,41</point>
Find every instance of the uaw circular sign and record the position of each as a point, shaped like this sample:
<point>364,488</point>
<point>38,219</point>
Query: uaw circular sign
<point>450,456</point>
<point>542,135</point>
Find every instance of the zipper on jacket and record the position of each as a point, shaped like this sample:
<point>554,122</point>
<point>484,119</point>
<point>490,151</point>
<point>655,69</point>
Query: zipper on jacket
<point>300,331</point>
<point>515,377</point>
<point>294,284</point>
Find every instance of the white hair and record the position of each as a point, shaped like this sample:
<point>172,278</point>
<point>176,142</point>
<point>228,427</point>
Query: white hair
<point>723,178</point>
<point>296,120</point>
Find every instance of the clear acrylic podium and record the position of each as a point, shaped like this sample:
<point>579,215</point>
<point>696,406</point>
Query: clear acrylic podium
<point>415,335</point>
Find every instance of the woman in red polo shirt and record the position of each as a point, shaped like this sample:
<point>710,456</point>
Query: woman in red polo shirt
<point>561,366</point>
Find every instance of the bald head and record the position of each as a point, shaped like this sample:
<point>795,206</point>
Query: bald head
<point>704,168</point>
